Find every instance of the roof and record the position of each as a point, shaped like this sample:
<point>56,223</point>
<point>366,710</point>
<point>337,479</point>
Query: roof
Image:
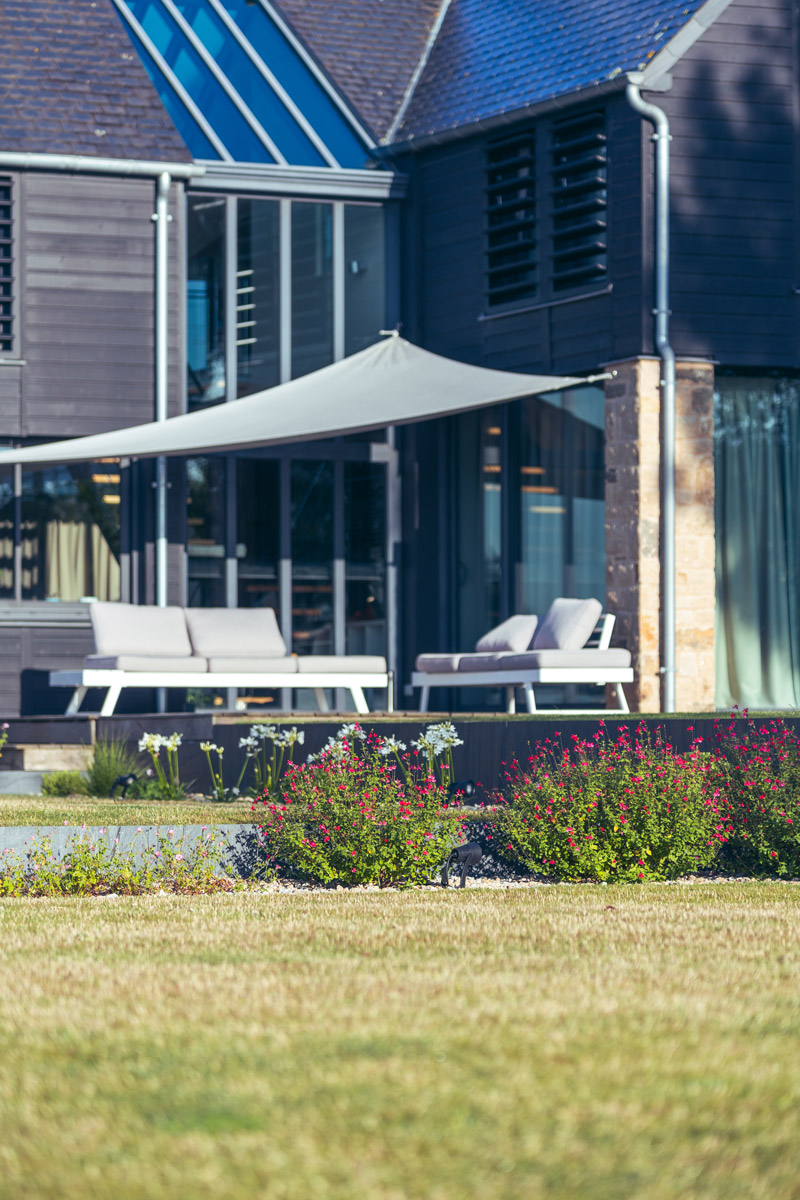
<point>71,83</point>
<point>370,50</point>
<point>492,57</point>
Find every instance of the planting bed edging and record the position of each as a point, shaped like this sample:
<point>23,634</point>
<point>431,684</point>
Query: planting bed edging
<point>239,844</point>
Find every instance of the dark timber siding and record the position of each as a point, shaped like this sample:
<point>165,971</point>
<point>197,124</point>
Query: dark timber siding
<point>87,332</point>
<point>448,301</point>
<point>733,114</point>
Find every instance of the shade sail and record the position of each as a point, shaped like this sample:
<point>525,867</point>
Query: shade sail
<point>390,383</point>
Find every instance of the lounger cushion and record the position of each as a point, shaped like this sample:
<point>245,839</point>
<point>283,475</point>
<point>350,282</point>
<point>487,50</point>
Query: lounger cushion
<point>145,662</point>
<point>235,632</point>
<point>588,659</point>
<point>139,629</point>
<point>438,664</point>
<point>308,664</point>
<point>515,633</point>
<point>484,662</point>
<point>275,666</point>
<point>568,624</point>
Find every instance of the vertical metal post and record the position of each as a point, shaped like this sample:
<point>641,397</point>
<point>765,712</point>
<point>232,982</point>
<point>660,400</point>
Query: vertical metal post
<point>161,218</point>
<point>285,565</point>
<point>339,268</point>
<point>661,313</point>
<point>338,579</point>
<point>394,537</point>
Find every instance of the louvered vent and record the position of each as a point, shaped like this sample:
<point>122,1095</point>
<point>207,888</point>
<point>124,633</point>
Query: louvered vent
<point>580,171</point>
<point>6,267</point>
<point>511,218</point>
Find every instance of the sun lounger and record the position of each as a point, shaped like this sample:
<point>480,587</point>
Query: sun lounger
<point>570,646</point>
<point>146,646</point>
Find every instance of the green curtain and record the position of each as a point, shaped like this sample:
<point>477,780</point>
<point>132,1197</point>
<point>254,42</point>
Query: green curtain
<point>757,476</point>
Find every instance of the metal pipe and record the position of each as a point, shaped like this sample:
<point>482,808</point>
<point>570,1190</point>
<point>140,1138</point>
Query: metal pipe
<point>161,218</point>
<point>12,160</point>
<point>661,313</point>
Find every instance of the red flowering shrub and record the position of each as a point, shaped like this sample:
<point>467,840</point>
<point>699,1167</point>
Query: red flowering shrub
<point>613,810</point>
<point>760,771</point>
<point>362,811</point>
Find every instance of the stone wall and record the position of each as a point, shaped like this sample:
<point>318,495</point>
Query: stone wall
<point>633,528</point>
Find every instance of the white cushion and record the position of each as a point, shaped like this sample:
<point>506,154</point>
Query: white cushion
<point>567,625</point>
<point>235,632</point>
<point>515,633</point>
<point>591,659</point>
<point>275,666</point>
<point>139,629</point>
<point>438,664</point>
<point>484,662</point>
<point>144,662</point>
<point>371,664</point>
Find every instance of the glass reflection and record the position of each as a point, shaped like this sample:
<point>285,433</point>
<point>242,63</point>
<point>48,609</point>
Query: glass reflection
<point>258,296</point>
<point>205,517</point>
<point>70,532</point>
<point>365,558</point>
<point>205,302</point>
<point>258,532</point>
<point>562,505</point>
<point>365,276</point>
<point>312,287</point>
<point>312,557</point>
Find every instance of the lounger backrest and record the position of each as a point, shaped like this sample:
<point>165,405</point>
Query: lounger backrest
<point>235,633</point>
<point>515,634</point>
<point>139,629</point>
<point>568,624</point>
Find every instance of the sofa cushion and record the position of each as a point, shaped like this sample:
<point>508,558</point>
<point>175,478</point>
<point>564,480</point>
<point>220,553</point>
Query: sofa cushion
<point>567,625</point>
<point>438,664</point>
<point>308,664</point>
<point>589,659</point>
<point>235,632</point>
<point>139,629</point>
<point>515,633</point>
<point>275,666</point>
<point>145,662</point>
<point>484,662</point>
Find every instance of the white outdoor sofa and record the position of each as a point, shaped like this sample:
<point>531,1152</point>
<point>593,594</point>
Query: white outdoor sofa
<point>571,645</point>
<point>149,647</point>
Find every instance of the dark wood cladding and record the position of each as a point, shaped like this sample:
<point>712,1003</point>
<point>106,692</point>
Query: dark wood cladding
<point>733,111</point>
<point>87,251</point>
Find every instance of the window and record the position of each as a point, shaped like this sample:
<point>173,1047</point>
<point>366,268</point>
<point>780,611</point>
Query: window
<point>6,267</point>
<point>579,190</point>
<point>511,218</point>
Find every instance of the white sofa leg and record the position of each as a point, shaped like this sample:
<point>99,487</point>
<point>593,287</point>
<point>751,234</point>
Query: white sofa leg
<point>359,699</point>
<point>76,700</point>
<point>110,702</point>
<point>530,699</point>
<point>511,698</point>
<point>621,698</point>
<point>321,699</point>
<point>424,697</point>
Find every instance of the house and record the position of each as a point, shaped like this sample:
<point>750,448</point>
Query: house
<point>486,180</point>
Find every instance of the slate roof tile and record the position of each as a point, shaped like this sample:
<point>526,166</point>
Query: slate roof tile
<point>494,56</point>
<point>70,83</point>
<point>370,50</point>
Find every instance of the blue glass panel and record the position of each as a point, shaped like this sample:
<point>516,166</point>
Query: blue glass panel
<point>229,56</point>
<point>208,94</point>
<point>292,73</point>
<point>182,119</point>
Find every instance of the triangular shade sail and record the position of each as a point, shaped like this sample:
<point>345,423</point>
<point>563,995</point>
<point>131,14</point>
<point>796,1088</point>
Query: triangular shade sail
<point>390,383</point>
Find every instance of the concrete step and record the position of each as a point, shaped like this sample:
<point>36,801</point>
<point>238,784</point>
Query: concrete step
<point>29,756</point>
<point>20,783</point>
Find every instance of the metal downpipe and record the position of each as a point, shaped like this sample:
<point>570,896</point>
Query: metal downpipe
<point>161,218</point>
<point>661,313</point>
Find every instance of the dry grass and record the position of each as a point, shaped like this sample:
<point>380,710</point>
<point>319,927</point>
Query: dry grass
<point>44,811</point>
<point>590,1042</point>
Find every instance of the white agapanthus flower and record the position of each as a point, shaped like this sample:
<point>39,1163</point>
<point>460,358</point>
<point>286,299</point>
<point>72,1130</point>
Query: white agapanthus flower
<point>173,741</point>
<point>391,745</point>
<point>352,732</point>
<point>288,737</point>
<point>209,746</point>
<point>151,742</point>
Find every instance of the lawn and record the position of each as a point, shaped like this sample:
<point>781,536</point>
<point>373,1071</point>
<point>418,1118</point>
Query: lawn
<point>587,1042</point>
<point>77,810</point>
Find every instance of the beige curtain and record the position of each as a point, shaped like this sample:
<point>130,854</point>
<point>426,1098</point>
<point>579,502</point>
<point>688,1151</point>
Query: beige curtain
<point>65,556</point>
<point>105,568</point>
